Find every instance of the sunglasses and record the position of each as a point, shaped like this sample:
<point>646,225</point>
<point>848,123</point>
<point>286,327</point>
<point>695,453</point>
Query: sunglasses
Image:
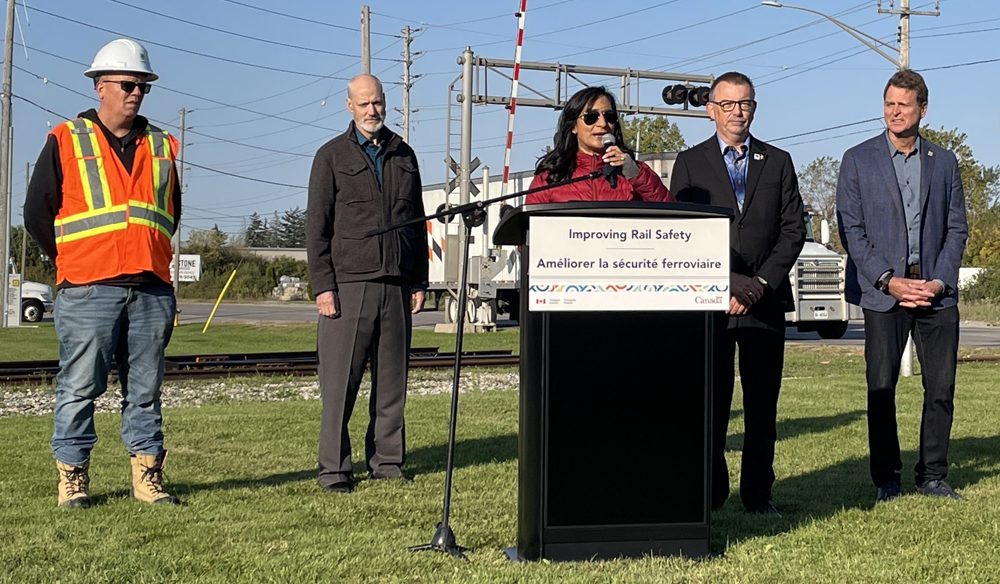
<point>129,86</point>
<point>590,118</point>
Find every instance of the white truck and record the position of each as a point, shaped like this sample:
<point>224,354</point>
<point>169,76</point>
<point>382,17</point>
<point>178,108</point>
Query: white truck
<point>36,299</point>
<point>494,288</point>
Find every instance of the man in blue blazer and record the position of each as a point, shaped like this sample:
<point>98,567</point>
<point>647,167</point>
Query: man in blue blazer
<point>901,216</point>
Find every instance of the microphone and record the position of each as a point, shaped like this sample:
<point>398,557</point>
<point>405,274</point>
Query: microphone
<point>610,172</point>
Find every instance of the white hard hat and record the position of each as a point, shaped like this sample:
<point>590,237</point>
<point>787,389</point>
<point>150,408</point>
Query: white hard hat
<point>122,56</point>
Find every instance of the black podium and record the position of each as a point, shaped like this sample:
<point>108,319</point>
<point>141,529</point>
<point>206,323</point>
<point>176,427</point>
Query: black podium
<point>615,408</point>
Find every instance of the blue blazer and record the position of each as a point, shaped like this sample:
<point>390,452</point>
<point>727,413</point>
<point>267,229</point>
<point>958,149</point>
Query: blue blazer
<point>873,227</point>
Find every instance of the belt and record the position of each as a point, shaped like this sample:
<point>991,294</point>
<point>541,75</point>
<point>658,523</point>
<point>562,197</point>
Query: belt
<point>913,271</point>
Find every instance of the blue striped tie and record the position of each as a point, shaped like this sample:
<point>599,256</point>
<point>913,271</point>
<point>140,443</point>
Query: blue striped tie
<point>736,165</point>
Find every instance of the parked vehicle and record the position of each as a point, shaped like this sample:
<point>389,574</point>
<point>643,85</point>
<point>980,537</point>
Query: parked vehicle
<point>36,301</point>
<point>36,298</point>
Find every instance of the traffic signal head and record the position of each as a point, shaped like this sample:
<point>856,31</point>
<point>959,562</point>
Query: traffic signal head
<point>698,96</point>
<point>674,94</point>
<point>680,93</point>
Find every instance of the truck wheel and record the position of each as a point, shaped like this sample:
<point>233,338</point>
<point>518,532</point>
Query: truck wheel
<point>32,311</point>
<point>832,330</point>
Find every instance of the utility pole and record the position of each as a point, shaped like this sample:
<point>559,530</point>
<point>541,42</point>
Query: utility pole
<point>406,83</point>
<point>904,13</point>
<point>5,155</point>
<point>177,224</point>
<point>24,224</point>
<point>366,46</point>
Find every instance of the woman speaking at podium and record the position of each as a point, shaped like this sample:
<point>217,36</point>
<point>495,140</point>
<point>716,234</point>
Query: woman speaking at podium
<point>589,138</point>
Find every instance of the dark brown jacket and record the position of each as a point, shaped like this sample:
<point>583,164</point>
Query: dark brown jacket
<point>345,202</point>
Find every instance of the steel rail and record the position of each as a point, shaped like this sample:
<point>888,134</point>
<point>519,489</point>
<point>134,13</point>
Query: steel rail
<point>293,363</point>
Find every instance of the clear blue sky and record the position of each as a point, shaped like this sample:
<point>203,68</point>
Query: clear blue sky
<point>810,76</point>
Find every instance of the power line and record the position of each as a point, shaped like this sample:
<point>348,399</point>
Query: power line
<point>955,66</point>
<point>190,52</point>
<point>824,130</point>
<point>602,21</point>
<point>483,19</point>
<point>652,36</point>
<point>241,35</point>
<point>299,18</point>
<point>693,60</point>
<point>208,168</point>
<point>58,115</point>
<point>250,178</point>
<point>166,88</point>
<point>827,138</point>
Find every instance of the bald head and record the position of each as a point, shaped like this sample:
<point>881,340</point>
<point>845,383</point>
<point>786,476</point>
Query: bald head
<point>366,102</point>
<point>364,81</point>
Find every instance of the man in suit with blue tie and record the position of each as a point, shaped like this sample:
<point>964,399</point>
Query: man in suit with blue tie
<point>757,181</point>
<point>901,216</point>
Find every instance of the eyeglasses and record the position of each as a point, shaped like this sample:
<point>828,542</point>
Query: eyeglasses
<point>129,86</point>
<point>728,106</point>
<point>590,118</point>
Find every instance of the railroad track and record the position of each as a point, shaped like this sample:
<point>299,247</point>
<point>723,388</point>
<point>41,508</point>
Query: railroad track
<point>182,367</point>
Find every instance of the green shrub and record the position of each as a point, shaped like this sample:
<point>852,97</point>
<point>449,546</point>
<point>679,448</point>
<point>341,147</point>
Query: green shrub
<point>986,286</point>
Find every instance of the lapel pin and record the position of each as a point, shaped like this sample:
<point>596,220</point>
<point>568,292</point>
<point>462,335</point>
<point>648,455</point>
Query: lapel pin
<point>930,153</point>
<point>758,156</point>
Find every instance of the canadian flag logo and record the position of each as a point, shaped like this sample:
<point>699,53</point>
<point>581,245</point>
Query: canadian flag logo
<point>539,301</point>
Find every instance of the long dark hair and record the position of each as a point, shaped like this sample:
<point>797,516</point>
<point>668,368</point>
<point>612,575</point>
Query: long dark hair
<point>560,162</point>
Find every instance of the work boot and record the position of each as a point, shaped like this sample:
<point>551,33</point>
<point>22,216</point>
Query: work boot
<point>147,479</point>
<point>74,485</point>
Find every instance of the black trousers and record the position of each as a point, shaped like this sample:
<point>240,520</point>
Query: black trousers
<point>935,335</point>
<point>373,325</point>
<point>761,342</point>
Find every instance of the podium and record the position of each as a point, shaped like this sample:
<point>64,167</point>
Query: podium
<point>614,429</point>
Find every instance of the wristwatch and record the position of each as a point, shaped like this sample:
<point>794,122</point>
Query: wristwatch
<point>883,282</point>
<point>763,282</point>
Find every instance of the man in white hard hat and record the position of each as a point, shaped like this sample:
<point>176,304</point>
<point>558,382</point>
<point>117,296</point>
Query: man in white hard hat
<point>103,202</point>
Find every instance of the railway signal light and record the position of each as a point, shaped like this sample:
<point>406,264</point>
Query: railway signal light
<point>680,93</point>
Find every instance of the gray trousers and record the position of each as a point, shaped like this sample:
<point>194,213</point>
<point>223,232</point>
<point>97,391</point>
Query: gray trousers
<point>373,325</point>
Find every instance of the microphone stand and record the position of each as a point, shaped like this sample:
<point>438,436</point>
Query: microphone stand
<point>473,215</point>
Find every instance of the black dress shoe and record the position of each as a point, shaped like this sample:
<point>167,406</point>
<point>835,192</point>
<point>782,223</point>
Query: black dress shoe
<point>888,490</point>
<point>938,488</point>
<point>765,508</point>
<point>341,487</point>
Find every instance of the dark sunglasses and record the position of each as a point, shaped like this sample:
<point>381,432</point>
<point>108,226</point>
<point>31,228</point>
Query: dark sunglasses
<point>590,118</point>
<point>129,86</point>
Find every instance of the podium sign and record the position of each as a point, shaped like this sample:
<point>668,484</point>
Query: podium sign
<point>617,325</point>
<point>607,264</point>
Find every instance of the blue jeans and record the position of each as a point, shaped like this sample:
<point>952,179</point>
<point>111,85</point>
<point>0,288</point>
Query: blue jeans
<point>95,324</point>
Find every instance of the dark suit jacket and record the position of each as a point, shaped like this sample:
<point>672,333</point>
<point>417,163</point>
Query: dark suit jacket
<point>873,227</point>
<point>766,238</point>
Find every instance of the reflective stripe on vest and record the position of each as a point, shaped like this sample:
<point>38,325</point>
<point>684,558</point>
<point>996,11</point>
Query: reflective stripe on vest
<point>90,223</point>
<point>151,217</point>
<point>91,163</point>
<point>101,216</point>
<point>159,147</point>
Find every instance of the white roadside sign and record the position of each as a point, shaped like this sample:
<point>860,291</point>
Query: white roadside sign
<point>190,268</point>
<point>619,264</point>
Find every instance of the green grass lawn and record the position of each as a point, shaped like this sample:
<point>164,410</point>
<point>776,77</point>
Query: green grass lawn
<point>253,512</point>
<point>21,344</point>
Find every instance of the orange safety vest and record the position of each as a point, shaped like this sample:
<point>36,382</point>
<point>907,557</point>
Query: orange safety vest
<point>112,223</point>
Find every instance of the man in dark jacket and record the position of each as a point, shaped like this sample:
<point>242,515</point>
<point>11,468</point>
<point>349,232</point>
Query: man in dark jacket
<point>757,181</point>
<point>366,287</point>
